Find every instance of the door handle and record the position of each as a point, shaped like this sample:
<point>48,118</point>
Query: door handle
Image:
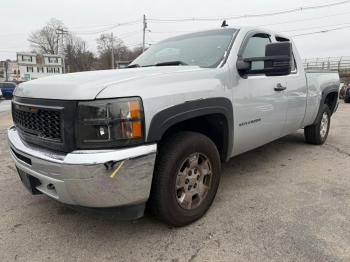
<point>280,87</point>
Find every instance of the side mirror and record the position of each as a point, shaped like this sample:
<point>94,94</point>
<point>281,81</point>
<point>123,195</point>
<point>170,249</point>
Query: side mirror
<point>277,61</point>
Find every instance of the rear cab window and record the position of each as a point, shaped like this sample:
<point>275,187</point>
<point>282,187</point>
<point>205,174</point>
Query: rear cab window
<point>294,64</point>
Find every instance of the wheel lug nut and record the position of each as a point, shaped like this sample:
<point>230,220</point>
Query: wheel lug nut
<point>187,181</point>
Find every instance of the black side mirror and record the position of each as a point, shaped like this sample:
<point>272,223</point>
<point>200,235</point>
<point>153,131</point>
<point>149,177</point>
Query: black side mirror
<point>281,59</point>
<point>277,61</point>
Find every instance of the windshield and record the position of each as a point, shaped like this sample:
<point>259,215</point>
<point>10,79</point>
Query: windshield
<point>204,49</point>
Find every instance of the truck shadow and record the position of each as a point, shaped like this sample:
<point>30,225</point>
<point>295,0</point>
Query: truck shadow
<point>237,169</point>
<point>95,227</point>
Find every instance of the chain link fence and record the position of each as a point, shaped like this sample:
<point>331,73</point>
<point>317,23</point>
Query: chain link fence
<point>340,64</point>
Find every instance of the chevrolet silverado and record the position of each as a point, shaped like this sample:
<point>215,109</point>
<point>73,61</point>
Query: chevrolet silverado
<point>155,134</point>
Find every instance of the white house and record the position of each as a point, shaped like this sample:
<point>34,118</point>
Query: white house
<point>8,71</point>
<point>33,66</point>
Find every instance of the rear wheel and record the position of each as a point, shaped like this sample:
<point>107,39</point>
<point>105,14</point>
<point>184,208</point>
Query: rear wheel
<point>347,96</point>
<point>317,133</point>
<point>186,178</point>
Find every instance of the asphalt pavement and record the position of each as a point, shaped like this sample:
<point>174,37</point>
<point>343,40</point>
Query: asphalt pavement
<point>5,105</point>
<point>285,201</point>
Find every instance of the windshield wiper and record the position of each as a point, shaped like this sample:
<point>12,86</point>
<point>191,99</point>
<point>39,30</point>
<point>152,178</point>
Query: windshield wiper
<point>133,66</point>
<point>171,63</point>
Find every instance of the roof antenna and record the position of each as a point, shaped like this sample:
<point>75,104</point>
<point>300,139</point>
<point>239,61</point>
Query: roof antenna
<point>224,24</point>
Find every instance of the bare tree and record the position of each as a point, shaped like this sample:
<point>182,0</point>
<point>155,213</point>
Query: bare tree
<point>46,40</point>
<point>134,53</point>
<point>77,57</point>
<point>121,51</point>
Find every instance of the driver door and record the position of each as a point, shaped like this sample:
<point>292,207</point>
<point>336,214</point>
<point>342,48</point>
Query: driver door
<point>259,110</point>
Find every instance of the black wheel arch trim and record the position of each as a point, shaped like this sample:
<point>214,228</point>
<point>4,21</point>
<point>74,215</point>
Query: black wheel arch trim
<point>329,89</point>
<point>173,115</point>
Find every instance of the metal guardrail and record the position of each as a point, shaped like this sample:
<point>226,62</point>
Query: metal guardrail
<point>340,64</point>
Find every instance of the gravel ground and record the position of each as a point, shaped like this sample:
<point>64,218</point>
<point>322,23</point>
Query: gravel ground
<point>286,201</point>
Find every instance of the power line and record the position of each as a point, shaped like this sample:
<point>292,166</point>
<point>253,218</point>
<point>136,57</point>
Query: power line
<point>98,31</point>
<point>169,32</point>
<point>127,34</point>
<point>314,27</point>
<point>322,31</point>
<point>274,13</point>
<point>284,31</point>
<point>108,25</point>
<point>306,19</point>
<point>270,24</point>
<point>135,45</point>
<point>11,35</point>
<point>7,51</point>
<point>121,36</point>
<point>112,26</point>
<point>303,34</point>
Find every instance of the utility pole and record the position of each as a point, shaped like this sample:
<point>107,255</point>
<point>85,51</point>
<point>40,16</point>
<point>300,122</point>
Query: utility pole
<point>61,32</point>
<point>57,41</point>
<point>6,71</point>
<point>144,33</point>
<point>112,49</point>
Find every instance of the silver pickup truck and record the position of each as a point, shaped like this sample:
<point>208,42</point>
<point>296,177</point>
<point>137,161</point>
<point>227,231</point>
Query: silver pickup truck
<point>156,133</point>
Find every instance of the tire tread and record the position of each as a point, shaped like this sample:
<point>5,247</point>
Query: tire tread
<point>167,154</point>
<point>312,132</point>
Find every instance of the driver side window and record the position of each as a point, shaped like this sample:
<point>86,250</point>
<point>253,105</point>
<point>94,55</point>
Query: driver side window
<point>255,47</point>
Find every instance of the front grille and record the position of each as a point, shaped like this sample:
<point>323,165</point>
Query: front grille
<point>44,123</point>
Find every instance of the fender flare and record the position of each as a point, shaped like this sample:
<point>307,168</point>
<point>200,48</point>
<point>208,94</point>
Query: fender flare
<point>173,115</point>
<point>325,93</point>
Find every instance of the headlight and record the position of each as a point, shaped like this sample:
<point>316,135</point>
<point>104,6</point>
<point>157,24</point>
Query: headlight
<point>110,123</point>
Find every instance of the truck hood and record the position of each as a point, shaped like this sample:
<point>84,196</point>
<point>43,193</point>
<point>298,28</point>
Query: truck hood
<point>87,85</point>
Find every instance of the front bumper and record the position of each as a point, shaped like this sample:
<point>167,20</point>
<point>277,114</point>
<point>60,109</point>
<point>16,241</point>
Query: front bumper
<point>89,178</point>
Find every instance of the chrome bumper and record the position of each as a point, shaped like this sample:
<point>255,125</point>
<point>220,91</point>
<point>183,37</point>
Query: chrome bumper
<point>90,178</point>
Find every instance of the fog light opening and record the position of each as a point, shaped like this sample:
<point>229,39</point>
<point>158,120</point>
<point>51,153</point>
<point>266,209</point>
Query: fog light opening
<point>51,187</point>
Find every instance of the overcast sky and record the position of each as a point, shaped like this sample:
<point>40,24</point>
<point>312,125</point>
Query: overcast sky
<point>20,17</point>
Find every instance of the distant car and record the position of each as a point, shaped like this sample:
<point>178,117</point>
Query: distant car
<point>347,94</point>
<point>7,89</point>
<point>342,90</point>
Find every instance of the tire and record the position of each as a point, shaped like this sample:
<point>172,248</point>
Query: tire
<point>316,134</point>
<point>347,96</point>
<point>184,153</point>
<point>8,97</point>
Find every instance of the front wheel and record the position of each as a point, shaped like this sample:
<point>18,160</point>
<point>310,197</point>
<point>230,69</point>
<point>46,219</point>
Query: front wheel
<point>186,178</point>
<point>317,133</point>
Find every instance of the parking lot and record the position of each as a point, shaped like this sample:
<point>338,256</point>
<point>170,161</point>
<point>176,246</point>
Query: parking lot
<point>286,201</point>
<point>5,105</point>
